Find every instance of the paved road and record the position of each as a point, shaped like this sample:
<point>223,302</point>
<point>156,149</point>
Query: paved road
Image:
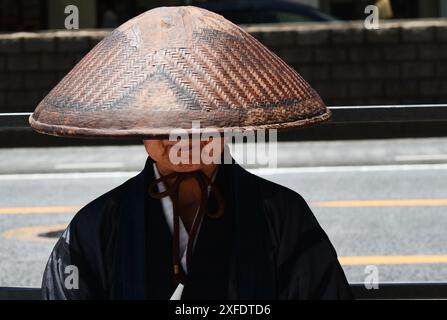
<point>382,203</point>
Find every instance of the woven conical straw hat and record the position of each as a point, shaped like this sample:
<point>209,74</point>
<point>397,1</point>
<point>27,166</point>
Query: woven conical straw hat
<point>171,66</point>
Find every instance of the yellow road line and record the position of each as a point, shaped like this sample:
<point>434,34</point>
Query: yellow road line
<point>39,210</point>
<point>342,203</point>
<point>390,260</point>
<point>32,233</point>
<point>382,203</point>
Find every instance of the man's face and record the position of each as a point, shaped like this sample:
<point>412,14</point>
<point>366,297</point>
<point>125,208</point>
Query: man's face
<point>184,155</point>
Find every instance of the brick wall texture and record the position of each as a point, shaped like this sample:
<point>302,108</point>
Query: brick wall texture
<point>400,63</point>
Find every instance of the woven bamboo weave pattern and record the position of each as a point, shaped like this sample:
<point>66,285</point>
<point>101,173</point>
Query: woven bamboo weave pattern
<point>170,66</point>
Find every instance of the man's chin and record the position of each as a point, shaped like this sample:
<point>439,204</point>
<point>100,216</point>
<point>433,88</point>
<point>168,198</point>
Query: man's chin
<point>187,167</point>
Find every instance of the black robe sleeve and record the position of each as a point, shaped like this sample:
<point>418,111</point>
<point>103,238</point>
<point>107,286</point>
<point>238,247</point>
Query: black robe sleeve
<point>76,269</point>
<point>64,276</point>
<point>306,262</point>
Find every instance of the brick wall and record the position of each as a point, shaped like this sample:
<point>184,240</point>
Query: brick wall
<point>402,62</point>
<point>33,63</point>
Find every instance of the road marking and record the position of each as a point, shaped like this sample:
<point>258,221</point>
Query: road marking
<point>420,157</point>
<point>382,203</point>
<point>259,171</point>
<point>39,210</point>
<point>341,203</point>
<point>371,168</point>
<point>71,175</point>
<point>89,165</point>
<point>32,233</point>
<point>391,260</point>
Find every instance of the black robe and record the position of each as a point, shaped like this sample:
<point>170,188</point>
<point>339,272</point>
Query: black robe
<point>267,245</point>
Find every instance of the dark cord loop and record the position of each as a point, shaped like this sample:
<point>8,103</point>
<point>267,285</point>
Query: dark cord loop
<point>173,192</point>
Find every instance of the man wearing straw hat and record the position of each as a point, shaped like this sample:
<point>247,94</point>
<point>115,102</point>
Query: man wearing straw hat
<point>187,230</point>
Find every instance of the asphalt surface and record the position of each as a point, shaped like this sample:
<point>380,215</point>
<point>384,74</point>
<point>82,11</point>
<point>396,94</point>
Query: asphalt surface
<point>382,203</point>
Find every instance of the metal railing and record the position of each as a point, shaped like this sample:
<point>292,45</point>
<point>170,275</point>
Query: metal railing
<point>347,123</point>
<point>387,290</point>
<point>389,113</point>
<point>340,114</point>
